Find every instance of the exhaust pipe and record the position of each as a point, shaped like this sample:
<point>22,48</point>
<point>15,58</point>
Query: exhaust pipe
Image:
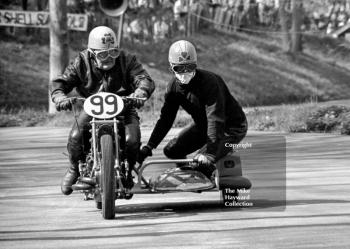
<point>82,186</point>
<point>84,183</point>
<point>88,180</point>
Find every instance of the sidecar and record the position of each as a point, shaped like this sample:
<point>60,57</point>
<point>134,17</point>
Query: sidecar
<point>185,179</point>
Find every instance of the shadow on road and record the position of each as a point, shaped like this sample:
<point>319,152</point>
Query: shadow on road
<point>157,210</point>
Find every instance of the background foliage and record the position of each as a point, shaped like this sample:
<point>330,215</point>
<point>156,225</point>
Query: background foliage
<point>251,60</point>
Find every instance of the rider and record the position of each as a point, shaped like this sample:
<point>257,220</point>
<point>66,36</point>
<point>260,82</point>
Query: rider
<point>217,116</point>
<point>101,67</point>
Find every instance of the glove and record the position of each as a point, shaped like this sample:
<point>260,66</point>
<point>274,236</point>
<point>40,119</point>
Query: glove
<point>204,160</point>
<point>63,103</point>
<point>139,93</point>
<point>145,152</point>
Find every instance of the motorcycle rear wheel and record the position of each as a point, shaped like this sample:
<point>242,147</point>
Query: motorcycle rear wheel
<point>107,177</point>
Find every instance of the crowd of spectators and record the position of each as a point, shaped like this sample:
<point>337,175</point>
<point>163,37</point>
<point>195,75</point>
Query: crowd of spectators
<point>334,17</point>
<point>153,20</point>
<point>147,20</point>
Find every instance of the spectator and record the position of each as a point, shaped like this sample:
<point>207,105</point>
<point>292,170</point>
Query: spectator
<point>160,29</point>
<point>180,14</point>
<point>135,30</point>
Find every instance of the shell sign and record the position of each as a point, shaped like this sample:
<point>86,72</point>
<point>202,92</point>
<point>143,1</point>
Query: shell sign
<point>40,19</point>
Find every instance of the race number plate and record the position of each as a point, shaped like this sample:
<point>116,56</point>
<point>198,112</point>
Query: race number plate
<point>103,105</point>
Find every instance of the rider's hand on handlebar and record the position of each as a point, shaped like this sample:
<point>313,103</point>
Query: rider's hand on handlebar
<point>139,93</point>
<point>204,159</point>
<point>63,103</point>
<point>145,152</point>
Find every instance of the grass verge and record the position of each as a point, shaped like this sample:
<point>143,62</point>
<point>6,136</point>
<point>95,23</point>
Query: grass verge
<point>308,117</point>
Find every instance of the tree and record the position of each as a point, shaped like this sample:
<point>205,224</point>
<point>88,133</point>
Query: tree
<point>25,4</point>
<point>59,56</point>
<point>291,39</point>
<point>284,24</point>
<point>297,20</point>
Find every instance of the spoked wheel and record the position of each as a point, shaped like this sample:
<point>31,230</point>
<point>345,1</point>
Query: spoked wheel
<point>107,177</point>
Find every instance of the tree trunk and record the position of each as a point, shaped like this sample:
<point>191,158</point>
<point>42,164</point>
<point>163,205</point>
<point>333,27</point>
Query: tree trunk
<point>25,8</point>
<point>40,5</point>
<point>59,56</point>
<point>297,18</point>
<point>188,22</point>
<point>25,4</point>
<point>284,25</point>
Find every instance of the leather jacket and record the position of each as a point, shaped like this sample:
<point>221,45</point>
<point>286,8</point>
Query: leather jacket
<point>123,78</point>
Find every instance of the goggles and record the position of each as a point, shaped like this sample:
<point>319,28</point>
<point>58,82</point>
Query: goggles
<point>104,54</point>
<point>183,68</point>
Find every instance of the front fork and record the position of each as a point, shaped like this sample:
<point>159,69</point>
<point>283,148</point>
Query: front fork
<point>117,168</point>
<point>117,163</point>
<point>94,123</point>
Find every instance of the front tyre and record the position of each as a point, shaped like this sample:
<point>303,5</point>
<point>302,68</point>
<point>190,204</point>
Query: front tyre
<point>107,177</point>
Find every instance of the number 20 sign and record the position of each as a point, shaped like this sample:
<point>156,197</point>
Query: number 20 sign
<point>103,105</point>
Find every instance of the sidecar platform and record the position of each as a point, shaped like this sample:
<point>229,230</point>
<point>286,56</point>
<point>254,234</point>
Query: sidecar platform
<point>228,175</point>
<point>179,179</point>
<point>172,179</point>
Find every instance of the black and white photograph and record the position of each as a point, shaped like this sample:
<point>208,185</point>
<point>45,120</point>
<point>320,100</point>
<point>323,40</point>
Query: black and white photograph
<point>204,124</point>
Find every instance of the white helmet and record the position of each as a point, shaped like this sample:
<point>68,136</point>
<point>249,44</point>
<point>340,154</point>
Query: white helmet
<point>182,52</point>
<point>103,38</point>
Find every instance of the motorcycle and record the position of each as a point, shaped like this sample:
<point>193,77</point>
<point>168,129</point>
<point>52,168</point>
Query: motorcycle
<point>104,172</point>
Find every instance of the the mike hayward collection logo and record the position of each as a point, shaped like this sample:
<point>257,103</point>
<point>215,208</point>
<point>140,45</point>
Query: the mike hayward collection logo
<point>237,198</point>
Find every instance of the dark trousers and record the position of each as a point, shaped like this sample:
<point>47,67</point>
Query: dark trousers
<point>192,138</point>
<point>79,137</point>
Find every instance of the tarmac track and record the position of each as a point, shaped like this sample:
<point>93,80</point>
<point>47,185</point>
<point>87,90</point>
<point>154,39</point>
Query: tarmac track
<point>313,211</point>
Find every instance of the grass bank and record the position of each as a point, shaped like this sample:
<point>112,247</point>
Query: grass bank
<point>256,70</point>
<point>254,67</point>
<point>310,117</point>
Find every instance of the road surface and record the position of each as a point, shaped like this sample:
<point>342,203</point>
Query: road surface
<point>314,214</point>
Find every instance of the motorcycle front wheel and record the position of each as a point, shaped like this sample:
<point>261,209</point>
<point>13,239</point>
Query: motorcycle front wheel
<point>107,177</point>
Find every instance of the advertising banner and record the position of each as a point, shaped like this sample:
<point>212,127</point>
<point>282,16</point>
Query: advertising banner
<point>40,19</point>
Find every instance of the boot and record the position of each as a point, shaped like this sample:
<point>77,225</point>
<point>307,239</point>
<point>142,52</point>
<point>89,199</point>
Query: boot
<point>129,183</point>
<point>69,179</point>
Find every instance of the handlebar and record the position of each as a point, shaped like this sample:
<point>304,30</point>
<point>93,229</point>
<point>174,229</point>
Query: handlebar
<point>74,99</point>
<point>135,98</point>
<point>129,102</point>
<point>126,99</point>
<point>132,100</point>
